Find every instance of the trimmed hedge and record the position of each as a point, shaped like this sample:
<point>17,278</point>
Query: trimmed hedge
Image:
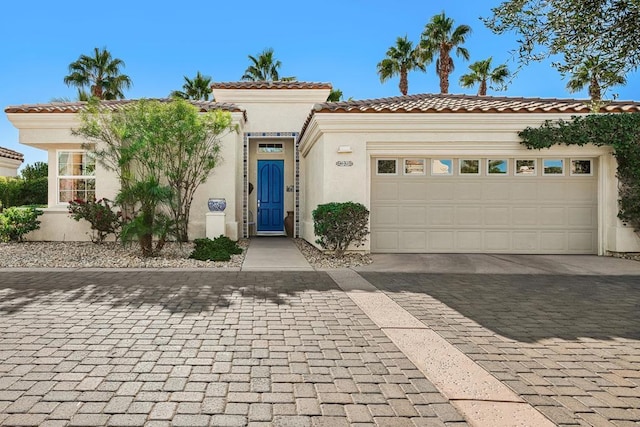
<point>339,225</point>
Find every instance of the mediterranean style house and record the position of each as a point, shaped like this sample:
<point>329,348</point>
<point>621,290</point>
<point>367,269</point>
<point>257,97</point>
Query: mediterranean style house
<point>10,161</point>
<point>439,173</point>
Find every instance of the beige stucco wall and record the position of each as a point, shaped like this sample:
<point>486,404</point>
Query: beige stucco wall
<point>442,134</point>
<point>52,132</point>
<point>271,111</point>
<point>223,182</point>
<point>9,167</point>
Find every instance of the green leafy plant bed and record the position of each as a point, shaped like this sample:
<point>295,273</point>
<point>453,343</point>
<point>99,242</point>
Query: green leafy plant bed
<point>16,222</point>
<point>219,249</point>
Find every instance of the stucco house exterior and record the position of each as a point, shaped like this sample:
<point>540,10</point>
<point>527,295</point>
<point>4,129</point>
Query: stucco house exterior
<point>10,161</point>
<point>439,173</point>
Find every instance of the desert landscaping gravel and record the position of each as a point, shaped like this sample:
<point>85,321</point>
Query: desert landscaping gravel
<point>115,255</point>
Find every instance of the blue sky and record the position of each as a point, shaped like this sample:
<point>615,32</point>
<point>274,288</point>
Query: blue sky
<point>329,41</point>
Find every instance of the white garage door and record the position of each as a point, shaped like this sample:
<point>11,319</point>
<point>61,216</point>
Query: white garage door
<point>498,205</point>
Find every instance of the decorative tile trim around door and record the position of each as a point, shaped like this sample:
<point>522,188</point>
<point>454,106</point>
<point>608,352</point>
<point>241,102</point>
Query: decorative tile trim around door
<point>245,177</point>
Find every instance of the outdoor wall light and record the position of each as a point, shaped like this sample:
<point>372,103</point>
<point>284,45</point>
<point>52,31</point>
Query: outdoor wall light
<point>345,149</point>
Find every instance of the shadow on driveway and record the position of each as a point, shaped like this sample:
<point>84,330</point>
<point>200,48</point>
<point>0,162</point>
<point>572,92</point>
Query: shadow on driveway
<point>525,308</point>
<point>188,292</point>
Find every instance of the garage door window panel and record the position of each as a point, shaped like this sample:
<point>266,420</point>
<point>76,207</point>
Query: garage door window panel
<point>581,167</point>
<point>469,167</point>
<point>525,167</point>
<point>553,167</point>
<point>414,167</point>
<point>442,167</point>
<point>499,167</point>
<point>387,167</point>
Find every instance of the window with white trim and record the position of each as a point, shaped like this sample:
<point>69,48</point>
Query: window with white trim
<point>272,148</point>
<point>387,167</point>
<point>75,176</point>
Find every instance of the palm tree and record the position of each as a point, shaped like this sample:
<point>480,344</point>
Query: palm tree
<point>197,89</point>
<point>335,95</point>
<point>481,72</point>
<point>400,59</point>
<point>594,74</point>
<point>264,68</point>
<point>99,73</point>
<point>438,39</point>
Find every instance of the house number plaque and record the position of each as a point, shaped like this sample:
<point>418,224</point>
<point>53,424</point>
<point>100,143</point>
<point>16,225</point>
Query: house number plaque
<point>344,163</point>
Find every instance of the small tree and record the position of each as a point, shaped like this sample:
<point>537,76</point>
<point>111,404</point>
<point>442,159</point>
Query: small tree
<point>165,148</point>
<point>339,225</point>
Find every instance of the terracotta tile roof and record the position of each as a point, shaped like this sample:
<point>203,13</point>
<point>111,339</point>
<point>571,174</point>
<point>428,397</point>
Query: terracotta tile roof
<point>438,103</point>
<point>270,85</point>
<point>74,107</point>
<point>10,154</point>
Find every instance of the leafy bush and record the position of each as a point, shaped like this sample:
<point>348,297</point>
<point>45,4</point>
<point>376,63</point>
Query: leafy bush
<point>219,249</point>
<point>19,192</point>
<point>10,189</point>
<point>100,214</point>
<point>339,225</point>
<point>34,192</point>
<point>16,222</point>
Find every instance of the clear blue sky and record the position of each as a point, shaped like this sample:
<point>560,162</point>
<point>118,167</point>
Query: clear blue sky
<point>328,41</point>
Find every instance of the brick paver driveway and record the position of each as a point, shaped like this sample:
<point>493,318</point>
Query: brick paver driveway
<point>205,348</point>
<point>569,345</point>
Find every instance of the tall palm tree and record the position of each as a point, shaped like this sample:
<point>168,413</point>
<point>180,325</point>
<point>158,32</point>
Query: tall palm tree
<point>198,88</point>
<point>481,72</point>
<point>99,73</point>
<point>264,68</point>
<point>401,59</point>
<point>597,76</point>
<point>439,38</point>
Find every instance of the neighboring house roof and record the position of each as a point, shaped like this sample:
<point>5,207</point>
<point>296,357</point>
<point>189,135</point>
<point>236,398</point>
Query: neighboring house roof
<point>270,85</point>
<point>439,103</point>
<point>10,154</point>
<point>74,107</point>
<point>446,103</point>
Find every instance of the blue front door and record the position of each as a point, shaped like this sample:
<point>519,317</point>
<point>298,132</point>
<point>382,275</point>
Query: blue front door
<point>270,195</point>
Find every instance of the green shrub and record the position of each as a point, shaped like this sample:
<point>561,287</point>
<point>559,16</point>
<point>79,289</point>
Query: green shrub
<point>100,214</point>
<point>19,192</point>
<point>219,249</point>
<point>339,225</point>
<point>16,222</point>
<point>10,190</point>
<point>34,192</point>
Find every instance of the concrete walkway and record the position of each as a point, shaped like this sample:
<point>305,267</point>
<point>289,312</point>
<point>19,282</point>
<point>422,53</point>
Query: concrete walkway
<point>274,254</point>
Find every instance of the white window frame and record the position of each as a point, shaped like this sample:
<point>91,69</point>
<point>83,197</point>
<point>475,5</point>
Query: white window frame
<point>581,174</point>
<point>59,176</point>
<point>441,159</point>
<point>554,174</point>
<point>506,173</point>
<point>535,167</point>
<point>460,162</point>
<point>272,145</point>
<point>404,167</point>
<point>385,173</point>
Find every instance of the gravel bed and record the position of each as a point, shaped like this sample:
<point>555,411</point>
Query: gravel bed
<point>106,255</point>
<point>321,260</point>
<point>173,255</point>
